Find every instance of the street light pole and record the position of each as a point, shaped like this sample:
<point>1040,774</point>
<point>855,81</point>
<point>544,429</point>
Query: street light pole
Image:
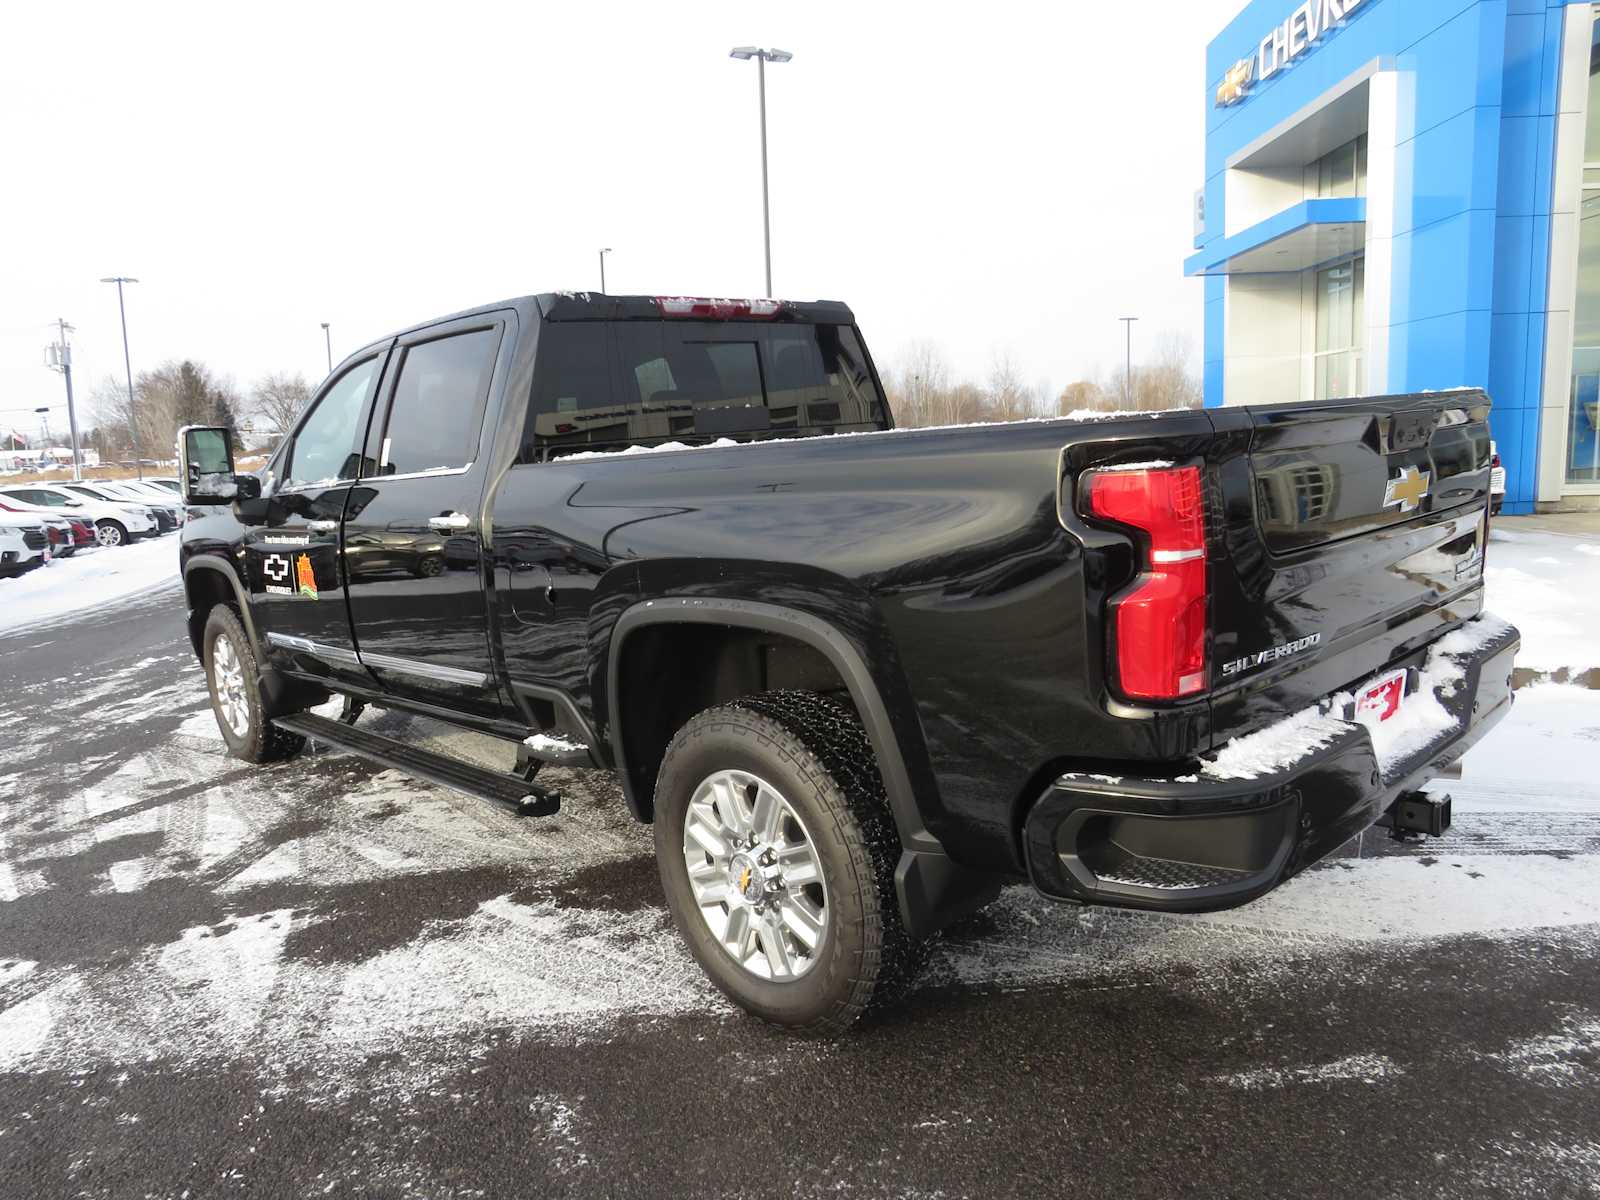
<point>327,339</point>
<point>127,365</point>
<point>763,57</point>
<point>61,353</point>
<point>605,251</point>
<point>1127,371</point>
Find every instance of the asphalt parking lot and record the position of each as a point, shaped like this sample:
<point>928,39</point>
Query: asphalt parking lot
<point>323,978</point>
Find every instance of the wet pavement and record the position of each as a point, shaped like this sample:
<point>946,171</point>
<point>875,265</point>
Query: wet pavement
<point>324,978</point>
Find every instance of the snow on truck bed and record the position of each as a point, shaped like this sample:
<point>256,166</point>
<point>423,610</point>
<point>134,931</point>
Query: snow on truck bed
<point>1082,414</point>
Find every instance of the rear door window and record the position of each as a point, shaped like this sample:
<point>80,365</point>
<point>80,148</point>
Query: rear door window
<point>694,381</point>
<point>438,402</point>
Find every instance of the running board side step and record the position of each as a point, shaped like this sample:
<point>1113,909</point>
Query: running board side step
<point>511,792</point>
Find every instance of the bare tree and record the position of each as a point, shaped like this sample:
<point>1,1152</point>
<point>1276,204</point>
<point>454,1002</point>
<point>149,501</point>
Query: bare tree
<point>1166,379</point>
<point>113,418</point>
<point>1006,397</point>
<point>278,399</point>
<point>1083,395</point>
<point>919,385</point>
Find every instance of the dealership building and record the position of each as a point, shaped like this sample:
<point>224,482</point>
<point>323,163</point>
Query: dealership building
<point>1404,195</point>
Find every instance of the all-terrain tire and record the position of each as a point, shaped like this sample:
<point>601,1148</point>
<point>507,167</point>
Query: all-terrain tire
<point>815,752</point>
<point>259,741</point>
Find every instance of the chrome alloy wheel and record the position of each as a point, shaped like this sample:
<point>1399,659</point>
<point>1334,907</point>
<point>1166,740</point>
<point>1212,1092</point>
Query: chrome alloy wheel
<point>227,677</point>
<point>108,534</point>
<point>755,875</point>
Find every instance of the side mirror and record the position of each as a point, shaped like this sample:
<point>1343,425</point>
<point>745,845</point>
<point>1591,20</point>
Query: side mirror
<point>205,465</point>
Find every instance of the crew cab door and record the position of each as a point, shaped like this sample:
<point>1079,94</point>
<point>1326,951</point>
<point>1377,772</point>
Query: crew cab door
<point>413,539</point>
<point>292,564</point>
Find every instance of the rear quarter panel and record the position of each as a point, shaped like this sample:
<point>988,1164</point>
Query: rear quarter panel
<point>939,553</point>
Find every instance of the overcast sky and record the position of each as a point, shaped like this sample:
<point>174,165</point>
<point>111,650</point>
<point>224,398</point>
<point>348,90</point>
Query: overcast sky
<point>987,176</point>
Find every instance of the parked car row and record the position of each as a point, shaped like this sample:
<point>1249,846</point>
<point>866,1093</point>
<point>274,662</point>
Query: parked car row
<point>40,521</point>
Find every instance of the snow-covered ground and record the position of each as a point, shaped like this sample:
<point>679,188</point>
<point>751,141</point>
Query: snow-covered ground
<point>333,932</point>
<point>91,578</point>
<point>1548,585</point>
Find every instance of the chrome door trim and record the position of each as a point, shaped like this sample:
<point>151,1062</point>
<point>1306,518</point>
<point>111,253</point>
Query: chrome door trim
<point>334,654</point>
<point>411,666</point>
<point>349,658</point>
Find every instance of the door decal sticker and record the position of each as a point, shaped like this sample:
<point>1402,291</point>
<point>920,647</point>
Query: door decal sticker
<point>276,570</point>
<point>304,577</point>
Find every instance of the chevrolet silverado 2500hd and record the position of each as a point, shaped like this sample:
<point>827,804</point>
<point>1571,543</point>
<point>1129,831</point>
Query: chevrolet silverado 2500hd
<point>857,677</point>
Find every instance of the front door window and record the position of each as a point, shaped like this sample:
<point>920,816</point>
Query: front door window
<point>324,448</point>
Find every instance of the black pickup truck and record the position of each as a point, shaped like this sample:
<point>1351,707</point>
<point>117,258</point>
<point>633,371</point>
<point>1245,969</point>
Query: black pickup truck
<point>858,677</point>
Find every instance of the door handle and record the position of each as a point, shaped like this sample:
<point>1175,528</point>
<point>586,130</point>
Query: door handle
<point>448,521</point>
<point>322,526</point>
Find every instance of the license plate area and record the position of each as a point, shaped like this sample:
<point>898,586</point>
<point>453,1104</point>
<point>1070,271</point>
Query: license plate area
<point>1381,698</point>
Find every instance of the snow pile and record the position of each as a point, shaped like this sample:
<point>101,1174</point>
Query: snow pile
<point>216,483</point>
<point>1277,747</point>
<point>553,744</point>
<point>662,448</point>
<point>89,579</point>
<point>1423,718</point>
<point>1473,637</point>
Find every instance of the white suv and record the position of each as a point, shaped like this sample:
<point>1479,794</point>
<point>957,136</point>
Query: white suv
<point>18,551</point>
<point>116,523</point>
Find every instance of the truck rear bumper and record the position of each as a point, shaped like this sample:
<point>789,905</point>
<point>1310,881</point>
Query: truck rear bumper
<point>1204,840</point>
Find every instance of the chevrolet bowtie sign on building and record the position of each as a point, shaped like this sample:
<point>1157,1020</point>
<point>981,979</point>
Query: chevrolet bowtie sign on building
<point>1396,199</point>
<point>1282,46</point>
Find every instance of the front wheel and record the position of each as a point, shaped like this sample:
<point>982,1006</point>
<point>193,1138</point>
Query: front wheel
<point>111,533</point>
<point>231,674</point>
<point>777,854</point>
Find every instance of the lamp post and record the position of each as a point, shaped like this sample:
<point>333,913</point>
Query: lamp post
<point>59,358</point>
<point>1127,370</point>
<point>327,341</point>
<point>763,57</point>
<point>604,251</point>
<point>127,365</point>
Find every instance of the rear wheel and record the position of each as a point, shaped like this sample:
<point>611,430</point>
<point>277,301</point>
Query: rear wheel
<point>231,674</point>
<point>777,854</point>
<point>111,533</point>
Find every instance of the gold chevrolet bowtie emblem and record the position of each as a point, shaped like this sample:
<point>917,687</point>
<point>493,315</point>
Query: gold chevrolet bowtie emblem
<point>1407,490</point>
<point>1236,82</point>
<point>744,880</point>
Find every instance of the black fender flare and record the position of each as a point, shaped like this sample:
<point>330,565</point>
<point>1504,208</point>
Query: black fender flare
<point>932,889</point>
<point>221,566</point>
<point>279,693</point>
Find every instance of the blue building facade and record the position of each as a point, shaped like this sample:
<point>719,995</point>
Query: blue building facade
<point>1395,200</point>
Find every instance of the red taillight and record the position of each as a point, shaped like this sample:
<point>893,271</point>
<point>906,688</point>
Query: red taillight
<point>718,310</point>
<point>1160,621</point>
<point>1494,460</point>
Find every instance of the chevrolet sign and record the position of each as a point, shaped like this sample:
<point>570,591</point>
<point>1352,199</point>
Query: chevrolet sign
<point>1283,45</point>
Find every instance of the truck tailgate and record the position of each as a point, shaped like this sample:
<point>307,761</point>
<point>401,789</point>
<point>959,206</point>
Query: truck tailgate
<point>1352,533</point>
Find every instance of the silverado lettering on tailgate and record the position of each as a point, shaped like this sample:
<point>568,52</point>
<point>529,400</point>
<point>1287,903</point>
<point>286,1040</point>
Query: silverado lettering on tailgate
<point>1272,655</point>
